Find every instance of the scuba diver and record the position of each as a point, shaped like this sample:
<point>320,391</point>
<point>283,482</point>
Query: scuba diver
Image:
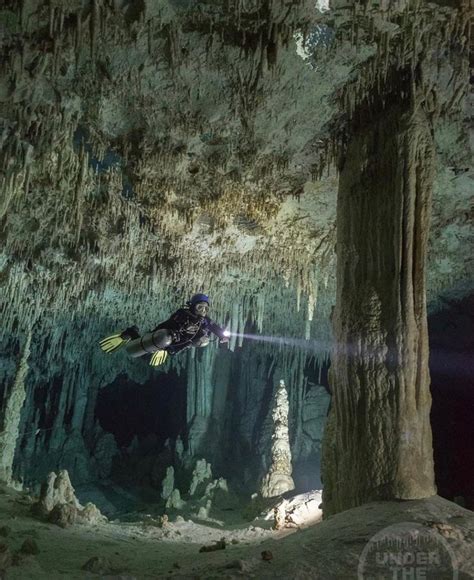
<point>187,327</point>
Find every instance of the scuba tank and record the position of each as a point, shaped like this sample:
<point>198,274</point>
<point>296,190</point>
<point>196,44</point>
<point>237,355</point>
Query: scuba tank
<point>149,343</point>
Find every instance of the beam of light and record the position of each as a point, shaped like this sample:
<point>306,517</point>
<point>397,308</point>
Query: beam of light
<point>312,345</point>
<point>450,362</point>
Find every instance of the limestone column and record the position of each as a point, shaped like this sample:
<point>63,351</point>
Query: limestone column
<point>10,414</point>
<point>377,444</point>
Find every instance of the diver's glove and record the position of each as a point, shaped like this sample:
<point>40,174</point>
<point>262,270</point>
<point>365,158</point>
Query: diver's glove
<point>116,341</point>
<point>158,358</point>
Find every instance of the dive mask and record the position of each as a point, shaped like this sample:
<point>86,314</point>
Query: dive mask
<point>201,308</point>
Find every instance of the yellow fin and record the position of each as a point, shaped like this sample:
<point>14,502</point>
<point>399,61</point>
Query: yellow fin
<point>158,358</point>
<point>112,343</point>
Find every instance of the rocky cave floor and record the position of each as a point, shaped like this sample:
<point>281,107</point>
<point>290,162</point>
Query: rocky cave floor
<point>144,549</point>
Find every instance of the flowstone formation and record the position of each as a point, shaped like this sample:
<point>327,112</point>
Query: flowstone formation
<point>278,480</point>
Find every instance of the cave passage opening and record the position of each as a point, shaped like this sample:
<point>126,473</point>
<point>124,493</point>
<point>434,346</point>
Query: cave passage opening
<point>452,389</point>
<point>155,409</point>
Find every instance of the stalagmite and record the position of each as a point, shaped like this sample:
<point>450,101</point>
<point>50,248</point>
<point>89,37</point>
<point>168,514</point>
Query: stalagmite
<point>10,415</point>
<point>278,479</point>
<point>378,438</point>
<point>58,503</point>
<point>202,472</point>
<point>168,483</point>
<point>174,501</point>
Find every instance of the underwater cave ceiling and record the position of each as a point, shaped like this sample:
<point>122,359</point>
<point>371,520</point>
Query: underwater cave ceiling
<point>153,149</point>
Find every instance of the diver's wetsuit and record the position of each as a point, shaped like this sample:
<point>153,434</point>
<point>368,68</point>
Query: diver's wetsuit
<point>187,330</point>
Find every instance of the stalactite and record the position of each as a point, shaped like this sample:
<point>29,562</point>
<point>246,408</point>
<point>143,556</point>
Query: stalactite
<point>420,35</point>
<point>234,325</point>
